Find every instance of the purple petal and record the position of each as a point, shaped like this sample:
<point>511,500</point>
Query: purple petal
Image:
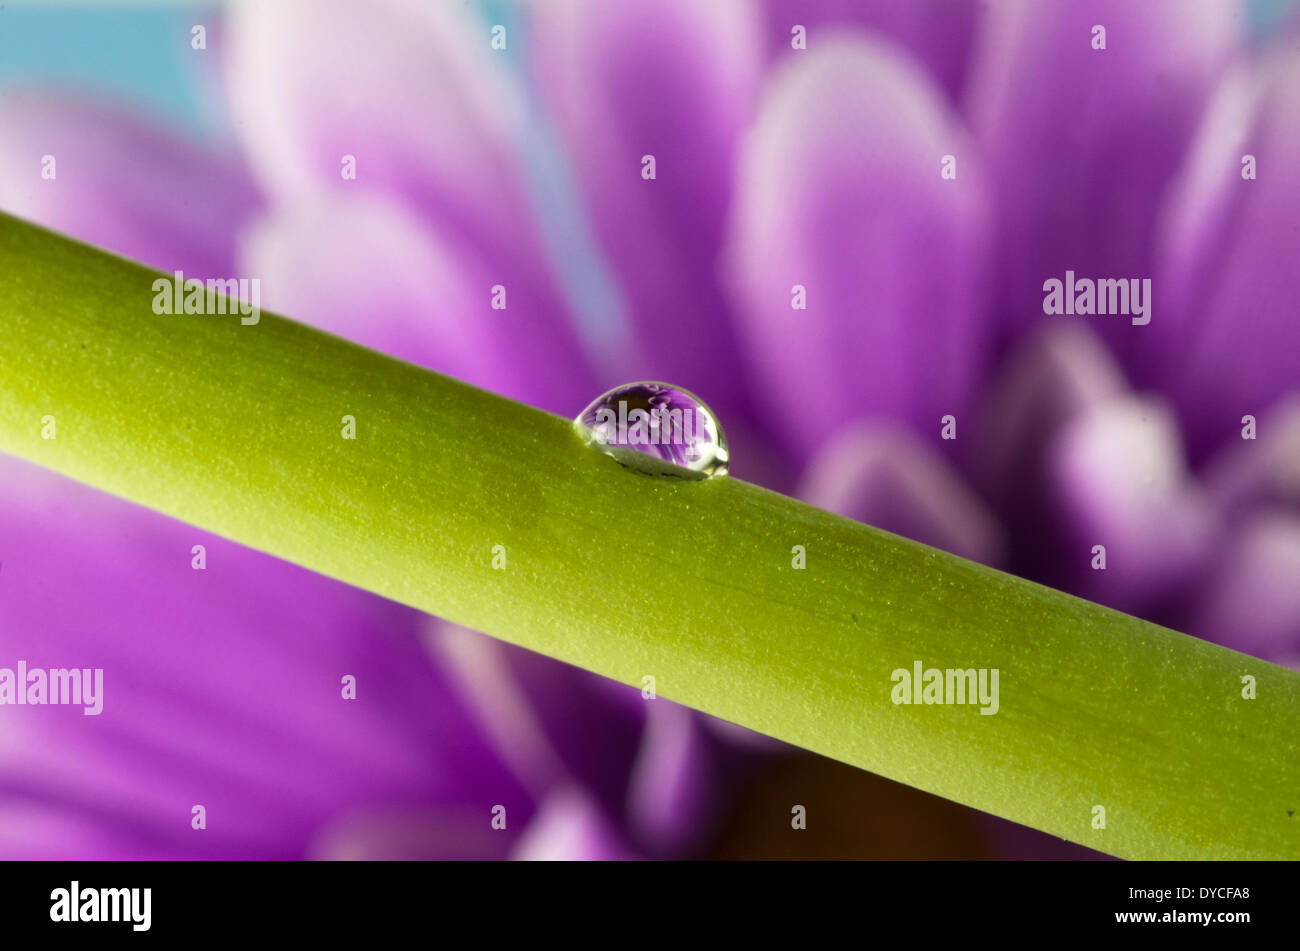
<point>1226,345</point>
<point>939,33</point>
<point>1082,143</point>
<point>364,267</point>
<point>409,89</point>
<point>1259,472</point>
<point>650,77</point>
<point>434,119</point>
<point>673,790</point>
<point>221,687</point>
<point>1117,478</point>
<point>571,827</point>
<point>554,724</point>
<point>1251,602</point>
<point>887,477</point>
<point>1059,372</point>
<point>119,184</point>
<point>840,192</point>
<point>404,834</point>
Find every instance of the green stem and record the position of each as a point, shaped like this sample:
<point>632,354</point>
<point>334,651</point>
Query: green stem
<point>237,429</point>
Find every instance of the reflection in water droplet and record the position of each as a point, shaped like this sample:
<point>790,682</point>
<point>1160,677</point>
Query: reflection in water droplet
<point>656,428</point>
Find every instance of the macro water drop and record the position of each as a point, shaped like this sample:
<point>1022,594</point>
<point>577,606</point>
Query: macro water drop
<point>656,428</point>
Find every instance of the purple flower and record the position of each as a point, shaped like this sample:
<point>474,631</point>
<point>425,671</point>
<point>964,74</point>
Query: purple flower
<point>1082,143</point>
<point>1228,240</point>
<point>838,238</point>
<point>849,255</point>
<point>93,171</point>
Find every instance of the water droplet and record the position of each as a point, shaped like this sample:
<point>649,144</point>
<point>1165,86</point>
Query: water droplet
<point>656,428</point>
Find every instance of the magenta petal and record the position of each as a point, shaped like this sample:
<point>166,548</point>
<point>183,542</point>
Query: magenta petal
<point>411,90</point>
<point>1083,143</point>
<point>840,192</point>
<point>1263,471</point>
<point>676,80</point>
<point>1226,345</point>
<point>119,184</point>
<point>552,723</point>
<point>1117,479</point>
<point>569,826</point>
<point>222,687</point>
<point>414,834</point>
<point>939,33</point>
<point>1251,602</point>
<point>1059,372</point>
<point>674,782</point>
<point>364,267</point>
<point>891,479</point>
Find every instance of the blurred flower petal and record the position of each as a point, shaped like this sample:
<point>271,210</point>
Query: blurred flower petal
<point>570,827</point>
<point>1117,478</point>
<point>676,80</point>
<point>120,184</point>
<point>553,723</point>
<point>221,688</point>
<point>409,89</point>
<point>434,118</point>
<point>480,671</point>
<point>1062,370</point>
<point>672,792</point>
<point>840,192</point>
<point>414,835</point>
<point>1260,472</point>
<point>31,829</point>
<point>1251,602</point>
<point>1226,345</point>
<point>1082,142</point>
<point>364,267</point>
<point>889,478</point>
<point>939,33</point>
